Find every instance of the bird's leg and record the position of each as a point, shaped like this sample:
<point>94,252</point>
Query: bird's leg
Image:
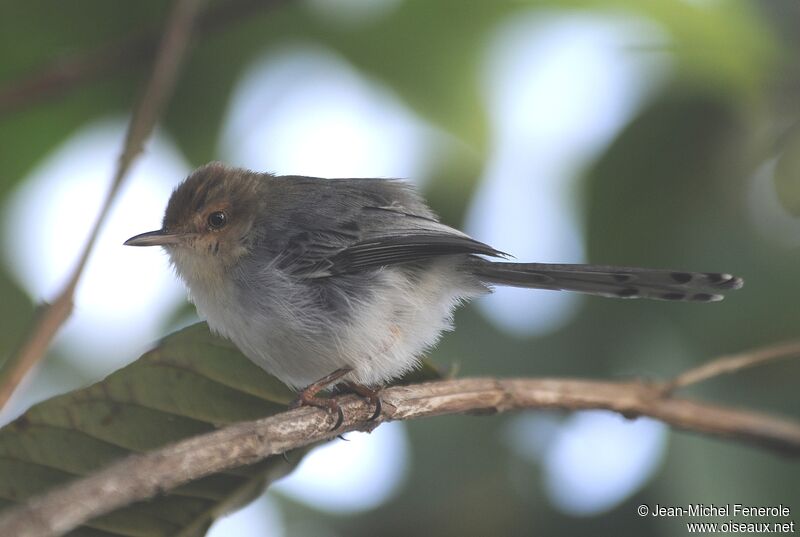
<point>308,395</point>
<point>372,396</point>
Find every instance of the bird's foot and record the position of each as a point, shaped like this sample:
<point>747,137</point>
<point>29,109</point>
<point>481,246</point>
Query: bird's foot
<point>372,396</point>
<point>308,396</point>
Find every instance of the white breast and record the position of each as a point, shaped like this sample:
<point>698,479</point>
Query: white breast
<point>287,335</point>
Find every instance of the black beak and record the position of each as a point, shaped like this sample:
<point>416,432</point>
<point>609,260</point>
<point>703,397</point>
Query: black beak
<point>160,237</point>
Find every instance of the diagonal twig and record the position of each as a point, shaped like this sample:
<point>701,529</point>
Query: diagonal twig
<point>50,317</point>
<point>731,364</point>
<point>140,477</point>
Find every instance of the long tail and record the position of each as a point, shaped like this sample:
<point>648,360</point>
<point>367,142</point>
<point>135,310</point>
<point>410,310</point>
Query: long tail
<point>608,281</point>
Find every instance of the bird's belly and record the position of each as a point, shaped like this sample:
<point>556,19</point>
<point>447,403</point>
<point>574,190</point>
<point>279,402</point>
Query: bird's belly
<point>379,337</point>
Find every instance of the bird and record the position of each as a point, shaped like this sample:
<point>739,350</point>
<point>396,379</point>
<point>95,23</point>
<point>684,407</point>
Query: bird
<point>348,282</point>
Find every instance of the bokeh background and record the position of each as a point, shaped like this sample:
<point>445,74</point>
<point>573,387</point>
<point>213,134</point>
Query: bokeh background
<point>662,133</point>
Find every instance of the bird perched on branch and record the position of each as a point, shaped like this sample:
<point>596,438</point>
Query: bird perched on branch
<point>327,281</point>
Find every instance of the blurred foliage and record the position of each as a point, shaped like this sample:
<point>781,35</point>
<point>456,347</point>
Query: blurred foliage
<point>433,66</point>
<point>671,190</point>
<point>787,168</point>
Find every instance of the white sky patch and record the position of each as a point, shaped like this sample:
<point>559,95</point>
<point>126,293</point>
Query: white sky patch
<point>766,213</point>
<point>599,459</point>
<point>593,460</point>
<point>559,89</point>
<point>259,519</point>
<point>347,477</point>
<point>306,112</point>
<point>125,292</point>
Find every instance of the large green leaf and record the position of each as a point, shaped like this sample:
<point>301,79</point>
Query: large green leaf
<point>190,383</point>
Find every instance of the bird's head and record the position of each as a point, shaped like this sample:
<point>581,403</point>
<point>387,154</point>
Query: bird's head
<point>210,220</point>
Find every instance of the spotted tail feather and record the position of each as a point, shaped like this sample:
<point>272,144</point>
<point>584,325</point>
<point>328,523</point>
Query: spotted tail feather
<point>609,281</point>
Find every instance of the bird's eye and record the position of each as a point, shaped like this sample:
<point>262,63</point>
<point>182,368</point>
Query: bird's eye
<point>217,220</point>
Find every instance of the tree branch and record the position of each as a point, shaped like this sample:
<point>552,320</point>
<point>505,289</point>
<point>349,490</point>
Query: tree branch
<point>64,74</point>
<point>140,477</point>
<point>50,317</point>
<point>733,364</point>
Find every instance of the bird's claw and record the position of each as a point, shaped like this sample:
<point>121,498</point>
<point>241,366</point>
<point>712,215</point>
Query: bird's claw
<point>372,396</point>
<point>329,405</point>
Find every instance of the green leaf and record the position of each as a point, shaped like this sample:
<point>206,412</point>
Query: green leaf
<point>191,383</point>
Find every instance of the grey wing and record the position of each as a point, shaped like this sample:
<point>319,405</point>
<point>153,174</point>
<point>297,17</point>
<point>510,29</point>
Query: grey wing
<point>364,224</point>
<point>404,246</point>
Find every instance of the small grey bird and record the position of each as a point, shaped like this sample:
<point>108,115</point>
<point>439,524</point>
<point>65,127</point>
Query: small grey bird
<point>321,281</point>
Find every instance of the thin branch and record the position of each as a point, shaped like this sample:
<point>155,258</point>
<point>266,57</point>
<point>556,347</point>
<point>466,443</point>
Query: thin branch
<point>140,477</point>
<point>732,364</point>
<point>50,317</point>
<point>65,74</point>
<point>60,76</point>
